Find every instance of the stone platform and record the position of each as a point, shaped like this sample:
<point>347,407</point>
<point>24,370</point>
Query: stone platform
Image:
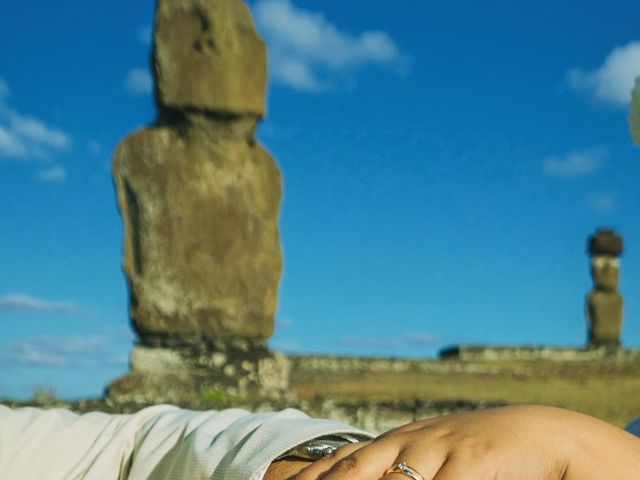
<point>558,354</point>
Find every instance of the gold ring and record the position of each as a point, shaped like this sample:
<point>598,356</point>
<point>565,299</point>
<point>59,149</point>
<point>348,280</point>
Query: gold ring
<point>404,469</point>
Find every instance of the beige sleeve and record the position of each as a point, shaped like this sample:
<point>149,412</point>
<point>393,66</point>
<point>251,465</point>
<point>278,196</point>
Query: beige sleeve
<point>157,443</point>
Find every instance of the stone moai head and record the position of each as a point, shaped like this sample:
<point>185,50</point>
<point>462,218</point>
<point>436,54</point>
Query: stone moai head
<point>605,272</point>
<point>605,247</point>
<point>604,303</point>
<point>208,56</point>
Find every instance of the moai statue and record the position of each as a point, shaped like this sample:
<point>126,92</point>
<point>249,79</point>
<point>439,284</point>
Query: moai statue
<point>604,303</point>
<point>200,200</point>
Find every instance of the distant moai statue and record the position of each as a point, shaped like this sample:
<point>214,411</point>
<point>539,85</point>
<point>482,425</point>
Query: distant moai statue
<point>604,303</point>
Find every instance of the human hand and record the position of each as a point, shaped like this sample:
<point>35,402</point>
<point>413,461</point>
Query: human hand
<point>286,468</point>
<point>520,442</point>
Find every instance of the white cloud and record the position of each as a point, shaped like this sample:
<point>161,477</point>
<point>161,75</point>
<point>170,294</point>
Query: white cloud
<point>402,341</point>
<point>602,203</point>
<point>613,80</point>
<point>21,303</point>
<point>33,130</point>
<point>575,163</point>
<point>49,351</point>
<point>10,144</point>
<point>309,53</point>
<point>295,73</point>
<point>24,136</point>
<point>139,82</point>
<point>54,174</point>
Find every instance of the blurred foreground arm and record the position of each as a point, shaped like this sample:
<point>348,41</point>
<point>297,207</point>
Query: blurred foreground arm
<point>519,442</point>
<point>156,443</point>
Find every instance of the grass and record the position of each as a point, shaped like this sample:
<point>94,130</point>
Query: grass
<point>218,398</point>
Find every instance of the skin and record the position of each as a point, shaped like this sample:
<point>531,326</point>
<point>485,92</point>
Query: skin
<point>511,443</point>
<point>286,468</point>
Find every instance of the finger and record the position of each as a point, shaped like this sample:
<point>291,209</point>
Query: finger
<point>322,465</point>
<point>373,461</point>
<point>368,463</point>
<point>426,466</point>
<point>423,450</point>
<point>395,476</point>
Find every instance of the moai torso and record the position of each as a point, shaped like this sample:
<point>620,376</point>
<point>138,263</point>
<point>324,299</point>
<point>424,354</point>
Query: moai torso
<point>604,303</point>
<point>199,196</point>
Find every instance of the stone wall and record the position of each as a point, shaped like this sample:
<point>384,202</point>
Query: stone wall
<point>557,354</point>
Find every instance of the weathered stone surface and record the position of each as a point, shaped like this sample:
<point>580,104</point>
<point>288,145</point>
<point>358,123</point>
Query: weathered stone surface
<point>194,375</point>
<point>605,272</point>
<point>497,353</point>
<point>156,360</point>
<point>202,250</point>
<point>605,318</point>
<point>208,56</point>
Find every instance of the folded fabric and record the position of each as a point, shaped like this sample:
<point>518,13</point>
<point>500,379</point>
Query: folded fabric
<point>157,443</point>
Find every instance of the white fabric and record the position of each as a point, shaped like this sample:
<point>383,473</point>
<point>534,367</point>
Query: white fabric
<point>157,443</point>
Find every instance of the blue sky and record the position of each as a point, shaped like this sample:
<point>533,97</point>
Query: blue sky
<point>443,166</point>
